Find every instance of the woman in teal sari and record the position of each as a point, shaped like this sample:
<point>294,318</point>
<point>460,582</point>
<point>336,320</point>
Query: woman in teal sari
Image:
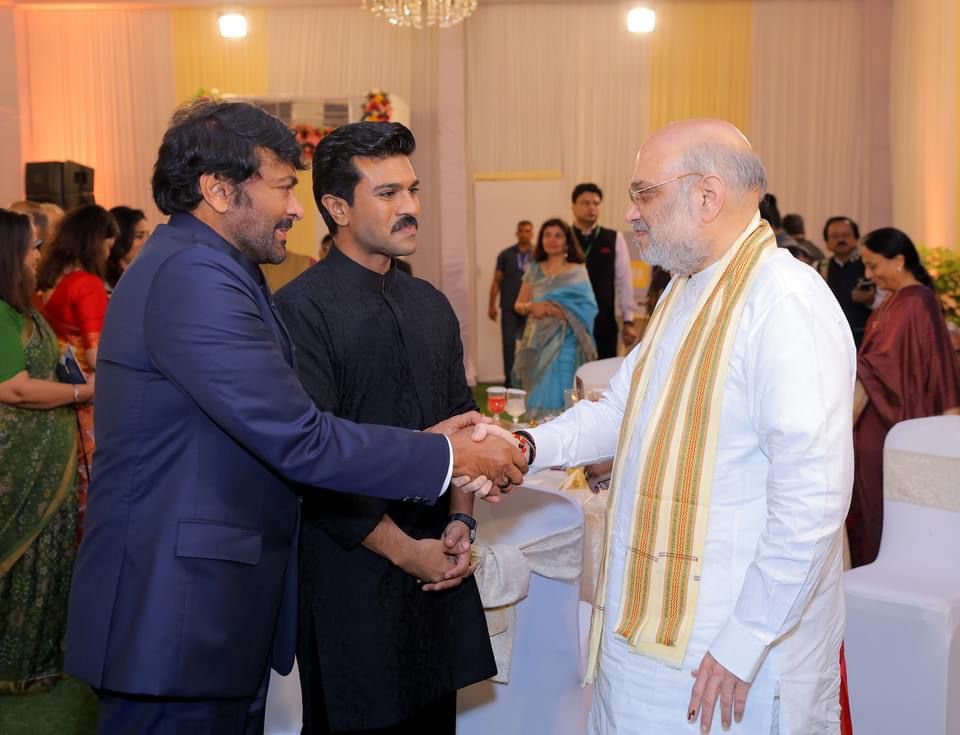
<point>557,297</point>
<point>38,470</point>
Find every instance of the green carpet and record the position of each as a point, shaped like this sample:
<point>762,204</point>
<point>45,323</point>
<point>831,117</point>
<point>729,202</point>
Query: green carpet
<point>69,709</point>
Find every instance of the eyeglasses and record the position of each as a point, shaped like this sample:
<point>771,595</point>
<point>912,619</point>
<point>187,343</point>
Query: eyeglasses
<point>635,193</point>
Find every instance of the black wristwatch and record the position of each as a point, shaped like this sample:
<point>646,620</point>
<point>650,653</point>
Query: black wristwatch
<point>469,521</point>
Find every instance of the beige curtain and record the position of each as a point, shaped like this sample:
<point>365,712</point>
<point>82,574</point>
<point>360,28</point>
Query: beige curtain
<point>100,92</point>
<point>925,77</point>
<point>557,87</point>
<point>814,113</point>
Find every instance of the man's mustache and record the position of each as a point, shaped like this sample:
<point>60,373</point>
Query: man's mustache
<point>284,224</point>
<point>408,220</point>
<point>641,227</point>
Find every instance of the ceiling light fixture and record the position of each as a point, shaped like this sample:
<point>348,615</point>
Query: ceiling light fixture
<point>641,20</point>
<point>233,25</point>
<point>421,13</point>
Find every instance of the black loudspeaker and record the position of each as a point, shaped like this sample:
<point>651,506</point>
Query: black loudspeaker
<point>64,183</point>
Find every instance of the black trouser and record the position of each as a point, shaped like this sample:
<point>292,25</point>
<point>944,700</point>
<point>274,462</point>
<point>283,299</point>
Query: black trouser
<point>605,335</point>
<point>437,718</point>
<point>511,329</point>
<point>124,714</point>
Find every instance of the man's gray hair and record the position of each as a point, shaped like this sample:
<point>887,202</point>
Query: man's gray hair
<point>742,170</point>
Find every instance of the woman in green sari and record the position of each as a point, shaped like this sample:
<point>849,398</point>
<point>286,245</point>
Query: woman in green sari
<point>38,468</point>
<point>558,300</point>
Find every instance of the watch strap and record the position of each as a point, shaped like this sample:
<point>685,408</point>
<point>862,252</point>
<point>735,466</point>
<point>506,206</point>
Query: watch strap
<point>468,520</point>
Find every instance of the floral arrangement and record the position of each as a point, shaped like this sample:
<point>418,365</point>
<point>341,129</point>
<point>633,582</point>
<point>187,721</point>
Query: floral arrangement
<point>377,107</point>
<point>213,95</point>
<point>308,137</point>
<point>944,268</point>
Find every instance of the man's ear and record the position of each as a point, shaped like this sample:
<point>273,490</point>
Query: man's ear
<point>337,208</point>
<point>217,192</point>
<point>711,193</point>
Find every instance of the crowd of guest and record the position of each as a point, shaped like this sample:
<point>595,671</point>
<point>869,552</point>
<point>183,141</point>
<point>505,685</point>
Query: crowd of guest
<point>56,269</point>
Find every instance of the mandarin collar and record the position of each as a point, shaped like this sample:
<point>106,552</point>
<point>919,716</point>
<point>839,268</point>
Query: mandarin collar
<point>202,232</point>
<point>358,274</point>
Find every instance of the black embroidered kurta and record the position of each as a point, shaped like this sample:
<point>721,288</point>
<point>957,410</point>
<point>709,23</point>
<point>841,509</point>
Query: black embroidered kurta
<point>372,645</point>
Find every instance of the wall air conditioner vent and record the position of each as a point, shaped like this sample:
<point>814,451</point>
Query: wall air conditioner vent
<point>336,113</point>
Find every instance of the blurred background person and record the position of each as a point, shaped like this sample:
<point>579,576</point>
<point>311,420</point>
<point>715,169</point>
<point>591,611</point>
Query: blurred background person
<point>38,218</point>
<point>906,369</point>
<point>133,233</point>
<point>74,301</point>
<point>55,215</point>
<point>809,253</point>
<point>558,301</point>
<point>325,244</point>
<point>512,263</point>
<point>38,501</point>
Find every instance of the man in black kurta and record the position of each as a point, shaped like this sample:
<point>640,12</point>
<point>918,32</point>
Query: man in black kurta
<point>375,649</point>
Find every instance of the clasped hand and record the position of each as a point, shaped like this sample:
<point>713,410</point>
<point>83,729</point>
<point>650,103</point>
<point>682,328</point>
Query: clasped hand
<point>486,458</point>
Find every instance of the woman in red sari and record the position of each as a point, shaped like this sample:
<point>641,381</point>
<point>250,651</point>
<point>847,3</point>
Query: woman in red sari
<point>906,369</point>
<point>74,302</point>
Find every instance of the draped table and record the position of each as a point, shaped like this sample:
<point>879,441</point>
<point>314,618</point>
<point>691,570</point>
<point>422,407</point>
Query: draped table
<point>530,555</point>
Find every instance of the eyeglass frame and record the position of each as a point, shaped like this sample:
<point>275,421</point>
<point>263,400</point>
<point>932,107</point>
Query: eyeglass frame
<point>634,193</point>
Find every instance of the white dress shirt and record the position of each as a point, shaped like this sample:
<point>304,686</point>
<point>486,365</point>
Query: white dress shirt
<point>771,606</point>
<point>623,279</point>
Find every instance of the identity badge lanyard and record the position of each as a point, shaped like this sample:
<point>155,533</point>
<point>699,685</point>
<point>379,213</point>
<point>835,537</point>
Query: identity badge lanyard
<point>590,239</point>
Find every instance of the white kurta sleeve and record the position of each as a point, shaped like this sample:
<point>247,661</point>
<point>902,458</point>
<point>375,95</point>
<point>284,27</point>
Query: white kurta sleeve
<point>623,276</point>
<point>588,432</point>
<point>799,371</point>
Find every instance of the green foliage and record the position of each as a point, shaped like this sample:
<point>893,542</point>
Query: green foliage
<point>944,268</point>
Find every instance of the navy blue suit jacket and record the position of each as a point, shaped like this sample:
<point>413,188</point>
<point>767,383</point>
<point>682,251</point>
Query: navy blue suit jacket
<point>185,583</point>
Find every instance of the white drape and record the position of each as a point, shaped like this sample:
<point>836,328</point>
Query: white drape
<point>100,91</point>
<point>557,87</point>
<point>924,79</point>
<point>819,115</point>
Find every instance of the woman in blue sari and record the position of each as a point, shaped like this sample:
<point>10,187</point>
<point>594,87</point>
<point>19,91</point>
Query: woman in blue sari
<point>557,297</point>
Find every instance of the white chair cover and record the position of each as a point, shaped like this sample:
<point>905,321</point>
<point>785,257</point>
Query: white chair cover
<point>596,375</point>
<point>903,611</point>
<point>540,532</point>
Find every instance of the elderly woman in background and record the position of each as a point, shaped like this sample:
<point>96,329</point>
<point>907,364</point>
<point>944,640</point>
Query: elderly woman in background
<point>74,302</point>
<point>906,369</point>
<point>132,224</point>
<point>38,461</point>
<point>557,297</point>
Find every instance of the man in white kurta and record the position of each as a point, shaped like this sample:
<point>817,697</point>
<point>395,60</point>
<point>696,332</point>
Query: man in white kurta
<point>770,608</point>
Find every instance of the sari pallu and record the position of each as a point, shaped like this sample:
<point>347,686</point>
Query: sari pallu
<point>552,349</point>
<point>38,516</point>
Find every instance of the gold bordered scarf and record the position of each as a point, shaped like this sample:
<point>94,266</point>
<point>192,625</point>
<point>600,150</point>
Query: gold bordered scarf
<point>676,460</point>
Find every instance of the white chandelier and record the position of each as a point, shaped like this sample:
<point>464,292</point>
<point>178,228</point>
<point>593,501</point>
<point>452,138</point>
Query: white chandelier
<point>421,13</point>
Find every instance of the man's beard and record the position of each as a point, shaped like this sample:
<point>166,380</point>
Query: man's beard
<point>256,237</point>
<point>674,246</point>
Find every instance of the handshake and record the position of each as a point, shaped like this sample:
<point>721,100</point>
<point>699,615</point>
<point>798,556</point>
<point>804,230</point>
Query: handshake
<point>487,459</point>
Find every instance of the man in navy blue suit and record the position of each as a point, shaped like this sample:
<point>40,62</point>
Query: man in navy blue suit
<point>184,592</point>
